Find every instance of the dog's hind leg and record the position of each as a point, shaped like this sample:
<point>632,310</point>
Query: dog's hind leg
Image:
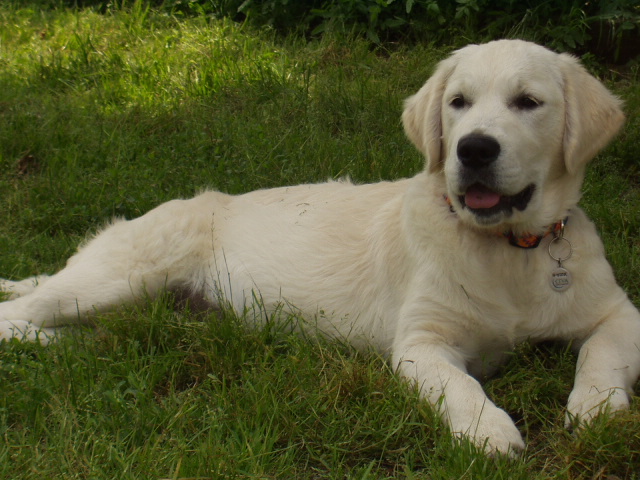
<point>21,288</point>
<point>166,248</point>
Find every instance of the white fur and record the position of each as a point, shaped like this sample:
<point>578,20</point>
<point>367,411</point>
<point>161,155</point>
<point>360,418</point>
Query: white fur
<point>389,264</point>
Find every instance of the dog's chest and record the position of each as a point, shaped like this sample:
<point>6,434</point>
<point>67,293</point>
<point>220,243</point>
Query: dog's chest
<point>510,295</point>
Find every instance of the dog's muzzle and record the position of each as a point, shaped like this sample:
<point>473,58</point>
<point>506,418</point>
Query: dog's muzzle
<point>482,192</point>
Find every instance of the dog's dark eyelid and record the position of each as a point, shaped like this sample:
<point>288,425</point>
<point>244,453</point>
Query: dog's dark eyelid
<point>458,102</point>
<point>527,102</point>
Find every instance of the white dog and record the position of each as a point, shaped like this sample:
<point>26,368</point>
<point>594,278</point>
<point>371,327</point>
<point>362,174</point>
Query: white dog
<point>427,269</point>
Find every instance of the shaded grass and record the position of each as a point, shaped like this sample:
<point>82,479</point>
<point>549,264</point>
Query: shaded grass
<point>202,398</point>
<point>107,115</point>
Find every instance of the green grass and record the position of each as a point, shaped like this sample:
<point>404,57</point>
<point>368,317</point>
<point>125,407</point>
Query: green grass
<point>104,115</point>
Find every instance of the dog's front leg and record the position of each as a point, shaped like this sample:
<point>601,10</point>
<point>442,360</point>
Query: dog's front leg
<point>440,373</point>
<point>608,366</point>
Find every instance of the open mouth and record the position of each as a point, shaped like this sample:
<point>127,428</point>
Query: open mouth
<point>483,201</point>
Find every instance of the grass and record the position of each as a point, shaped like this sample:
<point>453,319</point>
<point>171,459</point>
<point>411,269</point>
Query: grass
<point>109,115</point>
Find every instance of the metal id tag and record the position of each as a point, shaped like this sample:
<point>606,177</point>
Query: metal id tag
<point>560,279</point>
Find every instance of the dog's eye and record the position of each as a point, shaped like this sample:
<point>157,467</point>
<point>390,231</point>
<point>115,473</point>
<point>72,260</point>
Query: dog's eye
<point>526,102</point>
<point>458,102</point>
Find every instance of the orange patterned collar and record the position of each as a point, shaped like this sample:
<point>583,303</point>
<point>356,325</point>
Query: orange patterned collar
<point>525,240</point>
<point>530,240</point>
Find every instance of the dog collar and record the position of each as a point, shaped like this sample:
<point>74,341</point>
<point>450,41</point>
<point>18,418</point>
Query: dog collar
<point>530,240</point>
<point>525,240</point>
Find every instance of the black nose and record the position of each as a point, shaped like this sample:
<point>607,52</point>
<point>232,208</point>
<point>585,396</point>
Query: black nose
<point>477,151</point>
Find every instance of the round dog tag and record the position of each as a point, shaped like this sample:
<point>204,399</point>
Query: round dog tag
<point>560,279</point>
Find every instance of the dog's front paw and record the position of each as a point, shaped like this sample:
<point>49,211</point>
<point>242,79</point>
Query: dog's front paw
<point>585,403</point>
<point>26,331</point>
<point>493,431</point>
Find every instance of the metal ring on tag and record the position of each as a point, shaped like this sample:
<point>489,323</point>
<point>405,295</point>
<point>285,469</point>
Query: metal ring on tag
<point>559,259</point>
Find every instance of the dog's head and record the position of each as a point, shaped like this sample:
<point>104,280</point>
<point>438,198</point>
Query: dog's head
<point>511,125</point>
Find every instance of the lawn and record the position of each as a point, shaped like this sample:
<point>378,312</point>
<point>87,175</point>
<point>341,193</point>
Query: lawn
<point>105,115</point>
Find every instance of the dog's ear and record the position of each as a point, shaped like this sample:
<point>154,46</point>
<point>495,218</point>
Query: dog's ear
<point>592,115</point>
<point>422,115</point>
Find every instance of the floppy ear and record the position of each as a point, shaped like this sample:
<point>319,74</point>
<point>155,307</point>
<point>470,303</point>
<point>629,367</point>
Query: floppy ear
<point>592,115</point>
<point>422,115</point>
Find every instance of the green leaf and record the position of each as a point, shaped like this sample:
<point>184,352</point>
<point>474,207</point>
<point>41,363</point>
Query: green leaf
<point>409,5</point>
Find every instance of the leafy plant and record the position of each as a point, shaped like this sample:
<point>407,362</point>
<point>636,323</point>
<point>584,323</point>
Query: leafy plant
<point>609,25</point>
<point>609,28</point>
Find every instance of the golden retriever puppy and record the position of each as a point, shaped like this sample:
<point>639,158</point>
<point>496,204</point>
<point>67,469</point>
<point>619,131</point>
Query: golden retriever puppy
<point>444,272</point>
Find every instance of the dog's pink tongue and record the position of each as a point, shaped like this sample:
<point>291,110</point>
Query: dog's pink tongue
<point>478,196</point>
